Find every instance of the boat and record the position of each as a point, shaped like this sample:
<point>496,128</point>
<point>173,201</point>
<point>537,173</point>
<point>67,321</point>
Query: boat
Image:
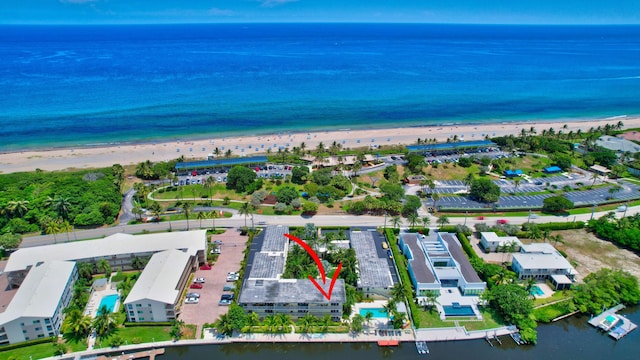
<point>422,348</point>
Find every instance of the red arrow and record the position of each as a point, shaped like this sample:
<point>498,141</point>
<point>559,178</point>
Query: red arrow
<point>313,254</point>
<point>333,282</point>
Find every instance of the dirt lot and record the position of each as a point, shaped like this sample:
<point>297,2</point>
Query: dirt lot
<point>592,254</point>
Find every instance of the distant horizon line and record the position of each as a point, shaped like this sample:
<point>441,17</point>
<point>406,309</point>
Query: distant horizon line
<point>318,23</point>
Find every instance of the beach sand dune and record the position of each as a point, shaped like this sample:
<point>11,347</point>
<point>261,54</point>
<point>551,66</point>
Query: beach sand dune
<point>96,157</point>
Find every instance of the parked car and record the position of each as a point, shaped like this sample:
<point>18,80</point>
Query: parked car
<point>199,280</point>
<point>195,286</point>
<point>227,297</point>
<point>229,287</point>
<point>191,301</point>
<point>193,295</point>
<point>480,218</point>
<point>232,278</point>
<point>205,267</point>
<point>502,221</point>
<point>223,302</point>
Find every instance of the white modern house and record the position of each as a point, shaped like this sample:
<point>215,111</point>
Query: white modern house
<point>118,250</point>
<point>437,262</point>
<point>491,242</point>
<point>542,261</point>
<point>156,295</point>
<point>36,310</point>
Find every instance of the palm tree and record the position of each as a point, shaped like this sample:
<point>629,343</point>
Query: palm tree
<point>186,207</point>
<point>228,153</point>
<point>368,316</point>
<point>426,221</point>
<point>224,324</point>
<point>468,180</point>
<point>216,152</point>
<point>430,299</point>
<point>399,292</point>
<point>270,323</point>
<point>557,238</point>
<point>246,209</point>
<point>66,227</point>
<point>396,221</point>
<point>61,205</point>
<point>516,183</point>
<point>17,207</point>
<point>389,307</point>
<point>283,321</point>
<point>103,266</point>
<point>104,322</point>
<point>545,234</point>
<point>443,220</point>
<point>435,197</point>
<point>413,219</point>
<point>325,322</point>
<point>156,210</point>
<point>213,215</point>
<point>253,319</point>
<point>209,184</point>
<point>53,227</point>
<point>201,216</point>
<point>76,324</point>
<point>306,323</point>
<point>85,270</point>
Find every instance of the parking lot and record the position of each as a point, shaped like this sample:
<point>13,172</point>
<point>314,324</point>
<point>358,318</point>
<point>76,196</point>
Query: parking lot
<point>207,309</point>
<point>629,191</point>
<point>220,175</point>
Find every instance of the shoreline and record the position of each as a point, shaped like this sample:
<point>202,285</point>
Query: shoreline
<point>104,155</point>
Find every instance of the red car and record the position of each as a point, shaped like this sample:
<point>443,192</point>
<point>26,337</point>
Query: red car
<point>502,221</point>
<point>196,286</point>
<point>480,218</point>
<point>205,267</point>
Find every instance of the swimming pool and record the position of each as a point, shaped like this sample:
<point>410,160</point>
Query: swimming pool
<point>377,312</point>
<point>535,290</point>
<point>458,310</point>
<point>110,302</point>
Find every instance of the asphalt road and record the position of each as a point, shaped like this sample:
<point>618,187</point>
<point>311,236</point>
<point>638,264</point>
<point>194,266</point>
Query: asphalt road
<point>318,220</point>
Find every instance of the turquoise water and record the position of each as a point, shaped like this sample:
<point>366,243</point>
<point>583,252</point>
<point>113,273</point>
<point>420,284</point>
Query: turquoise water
<point>464,310</point>
<point>88,85</point>
<point>535,290</point>
<point>377,312</point>
<point>110,302</point>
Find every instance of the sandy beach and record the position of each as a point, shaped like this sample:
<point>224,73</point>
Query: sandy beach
<point>96,157</point>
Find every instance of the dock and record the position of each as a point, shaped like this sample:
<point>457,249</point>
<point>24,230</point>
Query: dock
<point>151,354</point>
<point>617,326</point>
<point>388,342</point>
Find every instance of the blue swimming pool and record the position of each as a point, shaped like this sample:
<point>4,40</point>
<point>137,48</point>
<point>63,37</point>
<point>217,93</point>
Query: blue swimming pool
<point>110,302</point>
<point>535,290</point>
<point>377,312</point>
<point>458,310</point>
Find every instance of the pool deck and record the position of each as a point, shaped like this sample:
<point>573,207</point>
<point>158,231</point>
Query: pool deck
<point>619,330</point>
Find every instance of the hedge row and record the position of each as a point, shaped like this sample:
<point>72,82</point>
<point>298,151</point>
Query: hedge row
<point>137,324</point>
<point>404,274</point>
<point>26,343</point>
<point>570,225</point>
<point>466,246</point>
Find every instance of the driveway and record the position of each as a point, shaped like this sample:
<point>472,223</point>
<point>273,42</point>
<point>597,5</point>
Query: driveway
<point>207,309</point>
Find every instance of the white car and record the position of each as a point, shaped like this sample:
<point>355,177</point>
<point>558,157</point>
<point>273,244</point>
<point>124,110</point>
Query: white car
<point>193,295</point>
<point>192,300</point>
<point>199,280</point>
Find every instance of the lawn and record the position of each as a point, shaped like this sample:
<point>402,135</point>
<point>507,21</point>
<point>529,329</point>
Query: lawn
<point>431,319</point>
<point>197,191</point>
<point>38,351</point>
<point>450,171</point>
<point>138,335</point>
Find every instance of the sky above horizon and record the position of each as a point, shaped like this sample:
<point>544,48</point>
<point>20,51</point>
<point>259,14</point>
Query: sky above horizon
<point>216,11</point>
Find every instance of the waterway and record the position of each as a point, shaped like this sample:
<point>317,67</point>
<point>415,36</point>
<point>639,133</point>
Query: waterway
<point>571,338</point>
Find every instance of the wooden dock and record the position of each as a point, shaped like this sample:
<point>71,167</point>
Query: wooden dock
<point>617,326</point>
<point>388,342</point>
<point>151,354</point>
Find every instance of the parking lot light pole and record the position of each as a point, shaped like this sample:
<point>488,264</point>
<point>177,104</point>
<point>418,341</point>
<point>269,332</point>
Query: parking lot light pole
<point>593,210</point>
<point>529,218</point>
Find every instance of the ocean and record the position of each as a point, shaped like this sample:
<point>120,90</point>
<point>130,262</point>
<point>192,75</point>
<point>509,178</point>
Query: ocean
<point>68,86</point>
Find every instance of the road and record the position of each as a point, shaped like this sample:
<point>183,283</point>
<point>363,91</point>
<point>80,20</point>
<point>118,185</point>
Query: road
<point>295,220</point>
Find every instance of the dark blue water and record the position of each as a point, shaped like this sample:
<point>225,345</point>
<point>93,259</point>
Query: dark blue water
<point>567,339</point>
<point>78,85</point>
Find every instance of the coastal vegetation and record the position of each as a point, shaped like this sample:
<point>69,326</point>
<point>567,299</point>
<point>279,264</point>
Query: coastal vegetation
<point>624,231</point>
<point>56,202</point>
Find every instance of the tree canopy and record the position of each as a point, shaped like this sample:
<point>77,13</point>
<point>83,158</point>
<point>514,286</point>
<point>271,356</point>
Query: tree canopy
<point>555,204</point>
<point>484,190</point>
<point>240,178</point>
<point>606,288</point>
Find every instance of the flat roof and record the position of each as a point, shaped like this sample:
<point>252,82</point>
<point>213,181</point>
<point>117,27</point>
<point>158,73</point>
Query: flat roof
<point>288,291</point>
<point>40,292</point>
<point>373,270</point>
<point>452,145</point>
<point>419,267</point>
<point>274,239</point>
<point>455,249</point>
<point>617,144</point>
<point>221,162</point>
<point>160,278</point>
<point>542,248</point>
<point>552,169</point>
<point>600,168</point>
<point>561,279</point>
<point>493,237</point>
<point>191,241</point>
<point>532,261</point>
<point>266,266</point>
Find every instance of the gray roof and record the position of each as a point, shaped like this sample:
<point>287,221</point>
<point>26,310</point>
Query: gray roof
<point>421,270</point>
<point>160,278</point>
<point>531,261</point>
<point>274,239</point>
<point>289,291</point>
<point>40,292</point>
<point>192,241</point>
<point>469,274</point>
<point>373,270</point>
<point>266,266</point>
